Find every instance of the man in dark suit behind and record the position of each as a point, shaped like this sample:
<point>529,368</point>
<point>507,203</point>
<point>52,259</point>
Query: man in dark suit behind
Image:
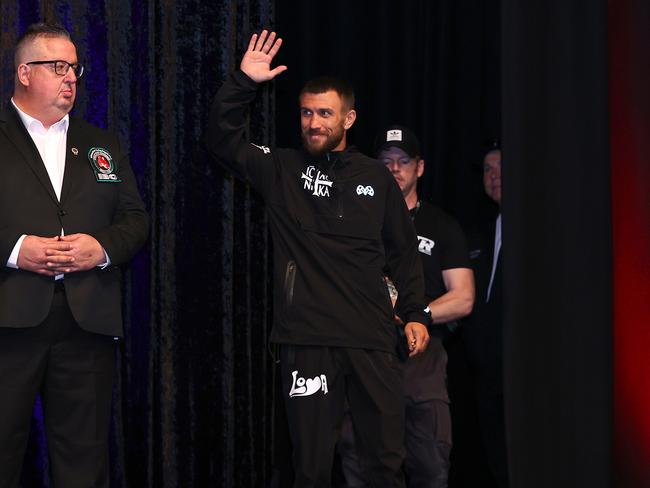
<point>483,335</point>
<point>70,216</point>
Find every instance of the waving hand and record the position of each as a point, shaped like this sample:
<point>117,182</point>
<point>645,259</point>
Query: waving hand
<point>256,62</point>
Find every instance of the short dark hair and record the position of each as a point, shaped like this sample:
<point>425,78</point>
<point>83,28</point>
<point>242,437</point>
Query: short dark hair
<point>40,29</point>
<point>491,144</point>
<point>323,84</point>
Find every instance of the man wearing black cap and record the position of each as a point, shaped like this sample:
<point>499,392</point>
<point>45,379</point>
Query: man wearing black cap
<point>449,289</point>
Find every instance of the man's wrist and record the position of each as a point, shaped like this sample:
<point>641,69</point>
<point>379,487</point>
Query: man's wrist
<point>12,262</point>
<point>107,261</point>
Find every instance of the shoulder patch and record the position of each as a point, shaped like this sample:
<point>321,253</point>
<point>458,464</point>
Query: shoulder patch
<point>102,164</point>
<point>264,149</point>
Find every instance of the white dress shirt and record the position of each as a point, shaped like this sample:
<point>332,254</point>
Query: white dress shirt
<point>495,256</point>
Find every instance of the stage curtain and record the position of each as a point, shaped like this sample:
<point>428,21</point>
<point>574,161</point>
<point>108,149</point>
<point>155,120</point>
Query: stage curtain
<point>629,97</point>
<point>557,250</point>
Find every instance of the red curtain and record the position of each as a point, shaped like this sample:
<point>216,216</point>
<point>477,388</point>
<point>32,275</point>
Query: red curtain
<point>629,44</point>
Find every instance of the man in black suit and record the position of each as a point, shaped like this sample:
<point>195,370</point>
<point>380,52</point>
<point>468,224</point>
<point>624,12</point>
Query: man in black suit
<point>484,332</point>
<point>71,214</point>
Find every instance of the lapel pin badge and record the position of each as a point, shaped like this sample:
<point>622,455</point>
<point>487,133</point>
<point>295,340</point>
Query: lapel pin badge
<point>75,151</point>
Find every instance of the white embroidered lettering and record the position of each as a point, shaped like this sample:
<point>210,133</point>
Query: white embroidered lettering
<point>264,149</point>
<point>365,190</point>
<point>316,182</point>
<point>301,387</point>
<point>425,245</point>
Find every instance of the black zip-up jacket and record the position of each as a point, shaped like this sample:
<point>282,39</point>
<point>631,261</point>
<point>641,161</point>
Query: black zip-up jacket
<point>336,221</point>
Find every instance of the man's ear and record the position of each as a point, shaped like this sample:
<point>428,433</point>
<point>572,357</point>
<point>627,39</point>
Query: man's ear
<point>350,117</point>
<point>420,167</point>
<point>22,73</point>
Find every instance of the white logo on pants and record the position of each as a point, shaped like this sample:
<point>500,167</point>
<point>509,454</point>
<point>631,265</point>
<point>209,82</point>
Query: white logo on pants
<point>306,387</point>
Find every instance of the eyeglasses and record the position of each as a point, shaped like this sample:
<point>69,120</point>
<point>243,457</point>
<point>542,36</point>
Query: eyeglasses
<point>61,67</point>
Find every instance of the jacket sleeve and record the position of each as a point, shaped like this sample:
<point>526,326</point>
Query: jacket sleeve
<point>400,244</point>
<point>129,227</point>
<point>226,138</point>
<point>8,239</point>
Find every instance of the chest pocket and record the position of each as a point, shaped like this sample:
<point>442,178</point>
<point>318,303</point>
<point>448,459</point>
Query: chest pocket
<point>345,227</point>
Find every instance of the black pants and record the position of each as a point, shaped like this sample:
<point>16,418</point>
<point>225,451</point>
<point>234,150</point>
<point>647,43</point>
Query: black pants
<point>491,416</point>
<point>73,371</point>
<point>428,445</point>
<point>316,382</point>
<point>427,425</point>
<point>484,345</point>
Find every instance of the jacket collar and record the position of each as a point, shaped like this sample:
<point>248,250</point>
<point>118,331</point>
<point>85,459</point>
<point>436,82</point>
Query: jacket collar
<point>14,129</point>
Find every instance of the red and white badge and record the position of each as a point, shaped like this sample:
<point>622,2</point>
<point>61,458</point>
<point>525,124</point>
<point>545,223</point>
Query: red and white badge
<point>103,166</point>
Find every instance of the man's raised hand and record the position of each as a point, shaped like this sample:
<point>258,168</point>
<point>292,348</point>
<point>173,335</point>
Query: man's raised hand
<point>256,62</point>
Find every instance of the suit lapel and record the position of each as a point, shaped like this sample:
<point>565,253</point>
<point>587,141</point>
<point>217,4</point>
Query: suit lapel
<point>75,159</point>
<point>14,129</point>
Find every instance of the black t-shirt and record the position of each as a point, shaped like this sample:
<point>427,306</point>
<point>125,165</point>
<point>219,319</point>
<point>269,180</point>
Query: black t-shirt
<point>442,246</point>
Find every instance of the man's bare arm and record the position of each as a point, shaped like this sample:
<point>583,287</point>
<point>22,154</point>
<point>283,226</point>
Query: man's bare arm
<point>458,301</point>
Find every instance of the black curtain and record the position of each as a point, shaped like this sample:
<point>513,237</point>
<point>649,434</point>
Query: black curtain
<point>557,243</point>
<point>194,392</point>
<point>629,98</point>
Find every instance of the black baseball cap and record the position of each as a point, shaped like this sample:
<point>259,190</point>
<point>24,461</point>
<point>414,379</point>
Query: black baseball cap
<point>398,136</point>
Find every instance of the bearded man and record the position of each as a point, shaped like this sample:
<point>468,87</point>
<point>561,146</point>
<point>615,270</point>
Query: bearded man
<point>338,219</point>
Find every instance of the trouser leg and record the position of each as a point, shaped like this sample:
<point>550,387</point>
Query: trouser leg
<point>22,363</point>
<point>491,416</point>
<point>350,461</point>
<point>428,444</point>
<point>428,420</point>
<point>313,389</point>
<point>77,392</point>
<point>375,394</point>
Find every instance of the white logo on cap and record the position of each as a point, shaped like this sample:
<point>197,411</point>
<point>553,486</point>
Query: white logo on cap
<point>394,135</point>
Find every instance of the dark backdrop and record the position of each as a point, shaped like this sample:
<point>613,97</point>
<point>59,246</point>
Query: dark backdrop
<point>557,243</point>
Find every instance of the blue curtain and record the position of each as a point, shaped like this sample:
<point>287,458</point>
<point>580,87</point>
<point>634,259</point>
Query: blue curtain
<point>193,401</point>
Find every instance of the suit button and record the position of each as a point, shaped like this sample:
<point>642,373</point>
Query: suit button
<point>62,213</point>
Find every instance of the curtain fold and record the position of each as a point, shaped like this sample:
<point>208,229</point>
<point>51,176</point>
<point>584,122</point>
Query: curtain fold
<point>629,99</point>
<point>557,244</point>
